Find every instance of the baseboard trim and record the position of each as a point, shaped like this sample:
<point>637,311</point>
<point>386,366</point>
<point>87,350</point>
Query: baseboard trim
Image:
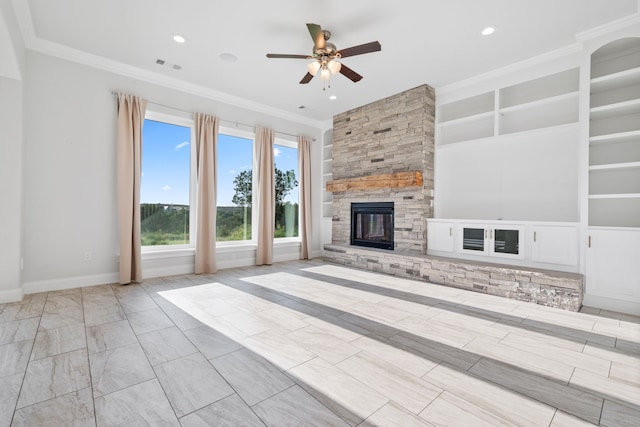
<point>612,304</point>
<point>69,283</point>
<point>11,295</point>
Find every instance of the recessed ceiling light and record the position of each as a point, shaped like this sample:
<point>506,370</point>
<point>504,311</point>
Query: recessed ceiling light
<point>179,39</point>
<point>228,57</point>
<point>332,97</point>
<point>488,30</point>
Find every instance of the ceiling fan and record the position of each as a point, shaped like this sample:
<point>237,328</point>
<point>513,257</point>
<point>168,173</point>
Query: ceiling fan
<point>325,56</point>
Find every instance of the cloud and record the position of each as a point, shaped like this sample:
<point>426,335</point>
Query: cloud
<point>182,145</point>
<point>276,152</point>
<point>166,188</point>
<point>232,171</point>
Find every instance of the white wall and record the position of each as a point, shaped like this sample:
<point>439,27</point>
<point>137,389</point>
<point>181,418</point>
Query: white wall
<point>11,63</point>
<point>10,187</point>
<point>532,177</point>
<point>70,166</point>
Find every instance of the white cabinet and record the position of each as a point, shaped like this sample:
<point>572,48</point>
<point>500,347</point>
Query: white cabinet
<point>614,135</point>
<point>440,236</point>
<point>545,245</point>
<point>554,244</point>
<point>613,269</point>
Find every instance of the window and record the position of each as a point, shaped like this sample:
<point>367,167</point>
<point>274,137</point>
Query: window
<point>285,155</point>
<point>234,189</point>
<point>165,189</point>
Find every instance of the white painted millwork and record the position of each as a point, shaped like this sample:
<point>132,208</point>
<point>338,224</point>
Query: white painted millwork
<point>544,245</point>
<point>613,268</point>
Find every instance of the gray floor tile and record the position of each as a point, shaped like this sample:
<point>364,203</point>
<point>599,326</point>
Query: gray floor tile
<point>210,342</point>
<point>18,330</point>
<point>14,357</point>
<point>9,390</point>
<point>110,335</point>
<point>144,404</point>
<point>118,368</point>
<point>60,340</point>
<point>295,407</point>
<point>73,409</point>
<point>60,318</point>
<point>101,308</point>
<point>165,345</point>
<point>615,414</point>
<point>228,412</point>
<point>54,376</point>
<point>393,414</point>
<point>191,383</point>
<point>149,321</point>
<point>253,377</point>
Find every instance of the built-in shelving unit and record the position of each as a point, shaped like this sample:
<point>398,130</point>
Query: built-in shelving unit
<point>327,176</point>
<point>614,135</point>
<point>540,103</point>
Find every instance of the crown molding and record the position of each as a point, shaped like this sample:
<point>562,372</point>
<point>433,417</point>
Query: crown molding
<point>34,43</point>
<point>617,25</point>
<point>573,48</point>
<point>511,68</point>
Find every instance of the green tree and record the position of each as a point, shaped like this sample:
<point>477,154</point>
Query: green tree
<point>284,182</point>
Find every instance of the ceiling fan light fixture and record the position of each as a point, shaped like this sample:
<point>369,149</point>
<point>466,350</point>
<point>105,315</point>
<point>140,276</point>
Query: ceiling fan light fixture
<point>325,74</point>
<point>313,67</point>
<point>334,66</point>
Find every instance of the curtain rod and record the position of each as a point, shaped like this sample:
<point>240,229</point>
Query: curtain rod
<point>221,120</point>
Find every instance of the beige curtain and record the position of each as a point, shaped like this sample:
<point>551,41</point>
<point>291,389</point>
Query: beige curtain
<point>304,168</point>
<point>131,112</point>
<point>206,154</point>
<point>264,195</point>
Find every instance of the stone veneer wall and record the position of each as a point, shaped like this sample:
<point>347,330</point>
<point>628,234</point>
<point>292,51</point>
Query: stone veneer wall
<point>544,287</point>
<point>394,134</point>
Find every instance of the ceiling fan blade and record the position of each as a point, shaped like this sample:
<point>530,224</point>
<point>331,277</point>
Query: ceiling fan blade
<point>306,79</point>
<point>281,55</point>
<point>317,35</point>
<point>350,74</point>
<point>360,49</point>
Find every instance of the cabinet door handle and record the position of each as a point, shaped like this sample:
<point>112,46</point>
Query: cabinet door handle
<point>485,233</point>
<point>450,231</point>
<point>534,236</point>
<point>490,234</point>
<point>589,241</point>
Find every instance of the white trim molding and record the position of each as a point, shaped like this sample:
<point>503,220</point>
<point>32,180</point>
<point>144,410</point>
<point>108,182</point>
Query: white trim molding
<point>68,283</point>
<point>11,295</point>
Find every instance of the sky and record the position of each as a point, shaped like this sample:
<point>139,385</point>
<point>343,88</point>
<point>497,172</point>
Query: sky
<point>166,157</point>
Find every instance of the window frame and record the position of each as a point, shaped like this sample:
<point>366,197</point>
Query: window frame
<point>239,133</point>
<point>184,121</point>
<point>289,144</point>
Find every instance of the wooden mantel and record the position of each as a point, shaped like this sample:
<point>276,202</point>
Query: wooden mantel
<point>375,182</point>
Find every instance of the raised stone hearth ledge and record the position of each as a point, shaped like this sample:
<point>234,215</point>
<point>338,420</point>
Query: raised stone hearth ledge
<point>376,182</point>
<point>544,287</point>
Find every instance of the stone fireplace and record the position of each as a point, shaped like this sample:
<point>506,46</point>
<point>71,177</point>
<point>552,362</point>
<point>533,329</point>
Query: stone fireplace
<point>383,152</point>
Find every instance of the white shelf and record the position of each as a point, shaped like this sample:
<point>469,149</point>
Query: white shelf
<point>463,120</point>
<point>542,102</point>
<point>617,109</point>
<point>615,137</point>
<point>615,196</point>
<point>615,80</point>
<point>615,166</point>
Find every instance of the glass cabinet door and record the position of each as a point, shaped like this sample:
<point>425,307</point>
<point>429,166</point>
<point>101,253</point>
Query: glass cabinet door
<point>473,240</point>
<point>506,242</point>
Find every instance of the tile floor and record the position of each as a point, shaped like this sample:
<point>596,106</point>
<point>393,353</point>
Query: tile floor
<point>304,344</point>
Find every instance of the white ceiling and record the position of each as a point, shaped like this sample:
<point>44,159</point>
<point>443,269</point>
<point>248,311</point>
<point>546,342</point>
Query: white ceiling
<point>436,42</point>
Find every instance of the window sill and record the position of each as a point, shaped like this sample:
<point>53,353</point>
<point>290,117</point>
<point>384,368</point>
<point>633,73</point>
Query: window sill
<point>167,253</point>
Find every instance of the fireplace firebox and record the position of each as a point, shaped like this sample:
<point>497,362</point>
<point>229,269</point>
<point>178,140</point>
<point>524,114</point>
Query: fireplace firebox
<point>372,225</point>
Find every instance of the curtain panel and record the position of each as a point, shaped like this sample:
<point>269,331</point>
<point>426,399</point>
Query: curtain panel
<point>206,209</point>
<point>264,193</point>
<point>131,111</point>
<point>304,166</point>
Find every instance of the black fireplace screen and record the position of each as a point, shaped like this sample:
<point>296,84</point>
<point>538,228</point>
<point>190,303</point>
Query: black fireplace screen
<point>372,225</point>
